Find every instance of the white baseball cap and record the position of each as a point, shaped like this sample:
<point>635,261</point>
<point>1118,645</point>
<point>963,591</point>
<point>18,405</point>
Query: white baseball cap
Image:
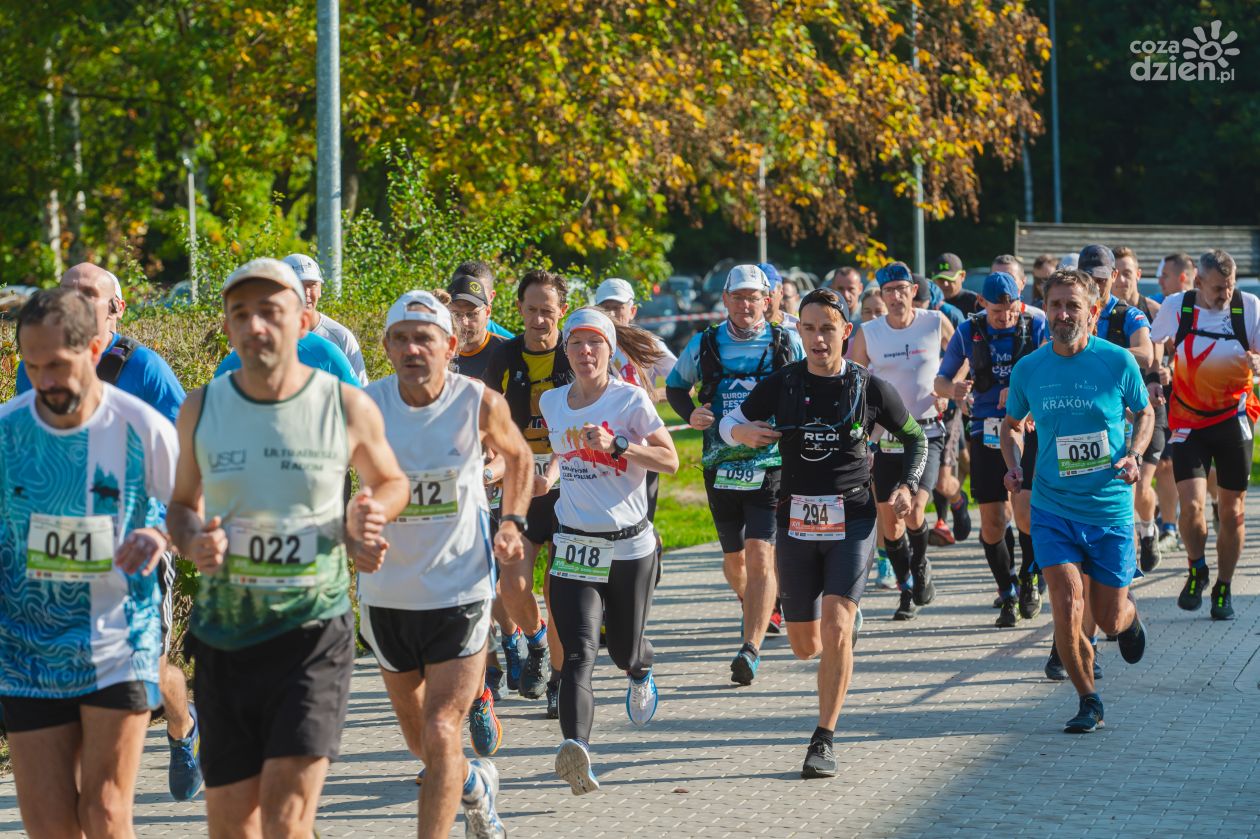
<point>306,268</point>
<point>594,320</point>
<point>615,289</point>
<point>404,309</point>
<point>745,277</point>
<point>1069,260</point>
<point>265,268</point>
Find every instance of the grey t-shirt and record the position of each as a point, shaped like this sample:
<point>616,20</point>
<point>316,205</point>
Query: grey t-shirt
<point>345,340</point>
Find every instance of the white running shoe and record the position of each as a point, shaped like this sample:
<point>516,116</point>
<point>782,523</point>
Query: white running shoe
<point>480,819</point>
<point>642,699</point>
<point>573,764</point>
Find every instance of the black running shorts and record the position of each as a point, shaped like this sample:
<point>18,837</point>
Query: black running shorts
<point>1226,445</point>
<point>743,514</point>
<point>284,697</point>
<point>988,470</point>
<point>809,570</point>
<point>404,640</point>
<point>540,520</point>
<point>887,470</point>
<point>27,714</point>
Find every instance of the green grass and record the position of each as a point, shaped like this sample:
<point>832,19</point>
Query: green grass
<point>682,515</point>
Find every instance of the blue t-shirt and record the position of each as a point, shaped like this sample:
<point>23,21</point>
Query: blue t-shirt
<point>1134,319</point>
<point>745,363</point>
<point>313,351</point>
<point>1082,396</point>
<point>1001,349</point>
<point>146,376</point>
<point>494,329</point>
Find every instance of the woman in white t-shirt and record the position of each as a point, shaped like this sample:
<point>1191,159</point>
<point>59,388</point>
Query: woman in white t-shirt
<point>605,435</point>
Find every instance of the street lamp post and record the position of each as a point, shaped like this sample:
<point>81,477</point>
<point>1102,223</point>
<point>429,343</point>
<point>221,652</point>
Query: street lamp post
<point>328,149</point>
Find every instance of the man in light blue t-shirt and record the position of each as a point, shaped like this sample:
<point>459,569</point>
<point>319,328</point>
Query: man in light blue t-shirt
<point>1077,389</point>
<point>313,351</point>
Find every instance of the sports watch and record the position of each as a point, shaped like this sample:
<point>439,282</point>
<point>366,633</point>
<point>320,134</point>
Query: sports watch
<point>519,521</point>
<point>620,444</point>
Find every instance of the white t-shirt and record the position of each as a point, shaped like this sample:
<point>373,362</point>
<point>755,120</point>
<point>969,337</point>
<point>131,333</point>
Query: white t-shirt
<point>345,340</point>
<point>599,494</point>
<point>660,370</point>
<point>908,358</point>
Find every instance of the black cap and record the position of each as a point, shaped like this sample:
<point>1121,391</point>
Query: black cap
<point>469,289</point>
<point>922,293</point>
<point>828,297</point>
<point>946,265</point>
<point>1096,260</point>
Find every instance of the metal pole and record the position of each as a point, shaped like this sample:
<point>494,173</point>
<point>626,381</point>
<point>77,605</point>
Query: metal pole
<point>1028,178</point>
<point>1054,118</point>
<point>920,259</point>
<point>761,210</point>
<point>192,227</point>
<point>328,149</point>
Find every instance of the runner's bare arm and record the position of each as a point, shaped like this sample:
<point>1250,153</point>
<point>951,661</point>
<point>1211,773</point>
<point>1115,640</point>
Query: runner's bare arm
<point>501,434</point>
<point>1140,346</point>
<point>957,387</point>
<point>947,332</point>
<point>1143,428</point>
<point>202,543</point>
<point>857,349</point>
<point>383,482</point>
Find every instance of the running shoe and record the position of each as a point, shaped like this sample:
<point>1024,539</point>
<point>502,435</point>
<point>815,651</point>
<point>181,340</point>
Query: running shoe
<point>744,665</point>
<point>1222,603</point>
<point>1168,540</point>
<point>514,651</point>
<point>907,610</point>
<point>820,760</point>
<point>775,627</point>
<point>1055,671</point>
<point>484,729</point>
<point>1089,716</point>
<point>534,673</point>
<point>1009,615</point>
<point>998,601</point>
<point>1098,671</point>
<point>553,699</point>
<point>1132,641</point>
<point>184,775</point>
<point>1149,554</point>
<point>642,697</point>
<point>923,589</point>
<point>573,764</point>
<point>1191,597</point>
<point>480,819</point>
<point>885,577</point>
<point>962,518</point>
<point>1029,597</point>
<point>494,680</point>
<point>940,535</point>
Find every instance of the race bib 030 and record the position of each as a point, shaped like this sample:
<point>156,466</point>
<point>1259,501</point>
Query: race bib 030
<point>1081,454</point>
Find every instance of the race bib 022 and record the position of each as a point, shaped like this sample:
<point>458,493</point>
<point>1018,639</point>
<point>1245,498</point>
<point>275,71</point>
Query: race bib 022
<point>272,555</point>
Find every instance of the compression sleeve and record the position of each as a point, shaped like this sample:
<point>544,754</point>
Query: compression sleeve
<point>679,399</point>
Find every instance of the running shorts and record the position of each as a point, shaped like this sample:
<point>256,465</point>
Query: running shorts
<point>1227,445</point>
<point>404,640</point>
<point>887,469</point>
<point>810,570</point>
<point>988,471</point>
<point>953,434</point>
<point>540,520</point>
<point>284,697</point>
<point>743,514</point>
<point>23,713</point>
<point>1106,555</point>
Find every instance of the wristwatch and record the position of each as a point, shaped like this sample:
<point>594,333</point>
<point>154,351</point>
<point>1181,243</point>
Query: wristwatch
<point>620,444</point>
<point>519,521</point>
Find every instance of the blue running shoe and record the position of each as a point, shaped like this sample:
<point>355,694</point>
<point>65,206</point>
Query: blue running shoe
<point>514,651</point>
<point>573,765</point>
<point>642,697</point>
<point>184,776</point>
<point>745,664</point>
<point>884,576</point>
<point>535,671</point>
<point>481,821</point>
<point>1089,718</point>
<point>484,729</point>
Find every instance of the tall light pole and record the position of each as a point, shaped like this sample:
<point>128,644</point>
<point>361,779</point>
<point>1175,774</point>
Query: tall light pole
<point>328,149</point>
<point>192,226</point>
<point>920,259</point>
<point>1054,118</point>
<point>761,209</point>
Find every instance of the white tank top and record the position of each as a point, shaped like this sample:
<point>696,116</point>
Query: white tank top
<point>439,554</point>
<point>907,358</point>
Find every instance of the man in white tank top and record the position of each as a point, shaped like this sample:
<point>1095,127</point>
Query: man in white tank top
<point>258,489</point>
<point>426,613</point>
<point>904,348</point>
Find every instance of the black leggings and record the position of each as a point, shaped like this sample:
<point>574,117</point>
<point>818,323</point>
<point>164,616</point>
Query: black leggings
<point>577,607</point>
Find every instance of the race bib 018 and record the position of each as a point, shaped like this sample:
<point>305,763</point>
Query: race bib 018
<point>272,555</point>
<point>1081,454</point>
<point>433,496</point>
<point>816,518</point>
<point>582,557</point>
<point>740,476</point>
<point>69,549</point>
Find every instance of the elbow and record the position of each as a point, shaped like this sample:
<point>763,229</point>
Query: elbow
<point>670,466</point>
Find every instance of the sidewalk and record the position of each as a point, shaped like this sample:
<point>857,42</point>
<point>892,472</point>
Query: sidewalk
<point>950,729</point>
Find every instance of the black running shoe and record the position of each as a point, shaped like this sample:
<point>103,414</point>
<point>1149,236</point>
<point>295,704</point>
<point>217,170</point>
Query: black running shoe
<point>1222,603</point>
<point>1191,597</point>
<point>1132,641</point>
<point>962,519</point>
<point>1029,597</point>
<point>1089,716</point>
<point>534,673</point>
<point>998,601</point>
<point>1009,615</point>
<point>1149,557</point>
<point>1055,671</point>
<point>907,610</point>
<point>820,760</point>
<point>1098,671</point>
<point>924,589</point>
<point>553,699</point>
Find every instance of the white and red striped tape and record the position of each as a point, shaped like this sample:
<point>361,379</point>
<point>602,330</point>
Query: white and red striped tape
<point>679,318</point>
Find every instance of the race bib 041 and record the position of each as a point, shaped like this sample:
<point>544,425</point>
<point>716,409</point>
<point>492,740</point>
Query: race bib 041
<point>69,549</point>
<point>740,476</point>
<point>433,496</point>
<point>582,557</point>
<point>272,554</point>
<point>816,518</point>
<point>1081,454</point>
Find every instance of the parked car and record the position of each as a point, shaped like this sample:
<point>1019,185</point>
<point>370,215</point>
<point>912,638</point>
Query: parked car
<point>675,334</point>
<point>685,287</point>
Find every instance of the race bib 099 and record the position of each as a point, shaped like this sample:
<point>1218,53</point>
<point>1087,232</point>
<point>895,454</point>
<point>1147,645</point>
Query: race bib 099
<point>740,475</point>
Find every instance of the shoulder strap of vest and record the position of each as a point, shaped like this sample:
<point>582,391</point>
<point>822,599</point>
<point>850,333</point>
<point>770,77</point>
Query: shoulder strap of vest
<point>781,347</point>
<point>1185,320</point>
<point>110,367</point>
<point>791,410</point>
<point>1236,320</point>
<point>516,392</point>
<point>1115,324</point>
<point>981,352</point>
<point>709,364</point>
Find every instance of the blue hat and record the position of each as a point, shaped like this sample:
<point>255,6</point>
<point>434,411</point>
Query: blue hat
<point>772,274</point>
<point>894,272</point>
<point>1000,284</point>
<point>935,296</point>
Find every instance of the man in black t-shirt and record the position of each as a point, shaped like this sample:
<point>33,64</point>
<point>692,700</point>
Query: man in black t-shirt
<point>948,273</point>
<point>470,312</point>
